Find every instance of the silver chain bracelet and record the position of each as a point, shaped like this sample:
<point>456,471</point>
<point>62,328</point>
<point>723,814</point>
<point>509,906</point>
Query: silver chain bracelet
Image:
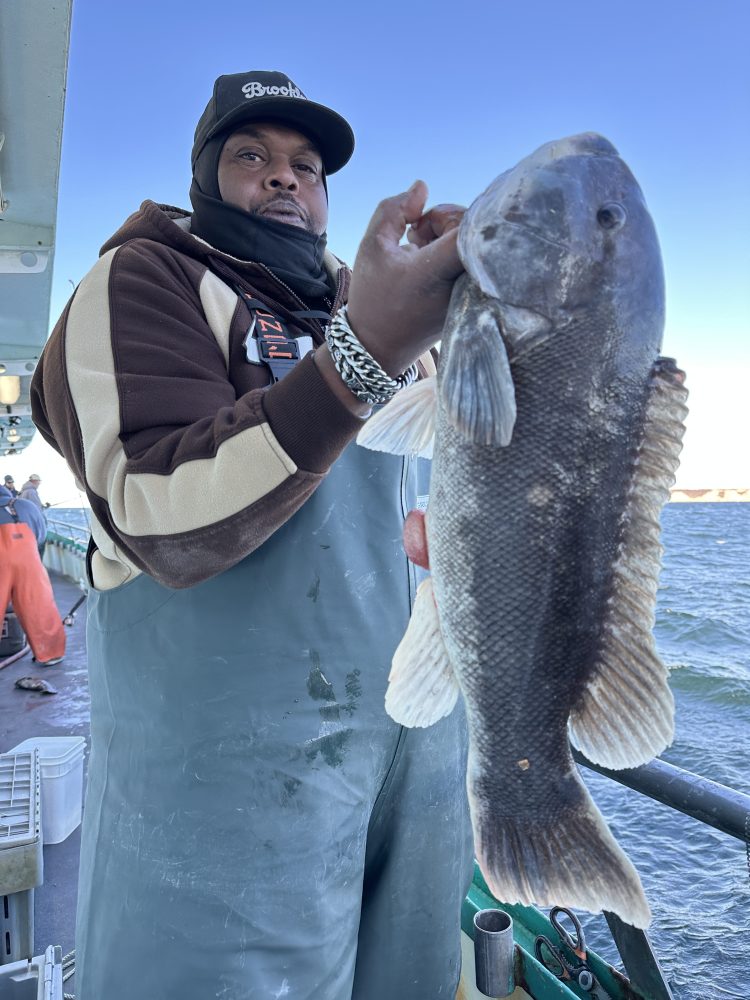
<point>359,370</point>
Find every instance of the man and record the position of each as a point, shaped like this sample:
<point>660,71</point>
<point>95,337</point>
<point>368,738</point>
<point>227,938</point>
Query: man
<point>30,491</point>
<point>24,580</point>
<point>256,825</point>
<point>10,485</point>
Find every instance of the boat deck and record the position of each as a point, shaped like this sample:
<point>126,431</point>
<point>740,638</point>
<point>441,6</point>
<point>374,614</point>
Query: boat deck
<point>24,714</point>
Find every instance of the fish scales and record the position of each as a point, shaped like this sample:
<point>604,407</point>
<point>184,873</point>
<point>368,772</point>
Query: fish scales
<point>556,435</point>
<point>541,517</point>
<point>560,487</point>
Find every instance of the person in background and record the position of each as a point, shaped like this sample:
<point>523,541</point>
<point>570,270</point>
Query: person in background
<point>24,581</point>
<point>30,491</point>
<point>256,825</point>
<point>10,485</point>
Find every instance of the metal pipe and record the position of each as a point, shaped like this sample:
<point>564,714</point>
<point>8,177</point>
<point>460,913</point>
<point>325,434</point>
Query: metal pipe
<point>494,953</point>
<point>16,656</point>
<point>4,203</point>
<point>716,805</point>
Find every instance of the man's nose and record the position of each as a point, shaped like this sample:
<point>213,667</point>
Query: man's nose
<point>280,174</point>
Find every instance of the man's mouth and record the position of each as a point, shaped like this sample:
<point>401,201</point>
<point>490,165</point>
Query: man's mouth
<point>284,211</point>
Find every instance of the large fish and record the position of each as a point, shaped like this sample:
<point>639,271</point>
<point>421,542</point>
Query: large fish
<point>557,429</point>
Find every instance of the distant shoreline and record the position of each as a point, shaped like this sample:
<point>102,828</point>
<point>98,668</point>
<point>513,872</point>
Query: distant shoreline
<point>709,496</point>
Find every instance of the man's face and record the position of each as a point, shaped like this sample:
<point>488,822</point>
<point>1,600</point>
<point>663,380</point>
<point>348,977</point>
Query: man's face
<point>275,173</point>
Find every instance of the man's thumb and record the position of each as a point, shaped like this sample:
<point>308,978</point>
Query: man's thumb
<point>413,202</point>
<point>393,215</point>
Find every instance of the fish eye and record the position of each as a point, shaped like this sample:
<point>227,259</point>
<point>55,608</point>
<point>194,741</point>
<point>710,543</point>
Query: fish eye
<point>611,216</point>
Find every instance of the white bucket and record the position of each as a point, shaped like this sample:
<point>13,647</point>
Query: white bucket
<point>61,768</point>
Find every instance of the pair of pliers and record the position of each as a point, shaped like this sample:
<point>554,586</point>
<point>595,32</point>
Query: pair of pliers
<point>553,959</point>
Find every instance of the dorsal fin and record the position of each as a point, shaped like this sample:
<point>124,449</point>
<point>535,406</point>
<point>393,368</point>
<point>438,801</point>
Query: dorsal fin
<point>626,716</point>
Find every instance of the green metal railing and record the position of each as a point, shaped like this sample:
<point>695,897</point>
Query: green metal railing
<point>530,974</point>
<point>65,550</point>
<point>67,535</point>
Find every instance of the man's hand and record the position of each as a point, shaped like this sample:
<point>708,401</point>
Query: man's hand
<point>400,292</point>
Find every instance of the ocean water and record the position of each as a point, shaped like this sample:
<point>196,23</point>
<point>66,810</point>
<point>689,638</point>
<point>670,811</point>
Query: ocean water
<point>697,879</point>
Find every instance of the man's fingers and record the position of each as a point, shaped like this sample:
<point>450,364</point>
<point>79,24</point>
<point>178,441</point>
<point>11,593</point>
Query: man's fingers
<point>440,219</point>
<point>440,258</point>
<point>445,217</point>
<point>393,215</point>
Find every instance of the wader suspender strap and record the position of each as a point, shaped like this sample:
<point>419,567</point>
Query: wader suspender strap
<point>267,341</point>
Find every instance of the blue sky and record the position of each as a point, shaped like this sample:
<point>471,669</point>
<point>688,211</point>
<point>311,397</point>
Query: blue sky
<point>452,94</point>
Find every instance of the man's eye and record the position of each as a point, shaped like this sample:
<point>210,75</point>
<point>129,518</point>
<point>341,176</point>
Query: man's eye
<point>249,154</point>
<point>307,167</point>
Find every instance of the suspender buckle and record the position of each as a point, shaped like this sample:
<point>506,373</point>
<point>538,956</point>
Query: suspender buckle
<point>275,348</point>
<point>267,341</point>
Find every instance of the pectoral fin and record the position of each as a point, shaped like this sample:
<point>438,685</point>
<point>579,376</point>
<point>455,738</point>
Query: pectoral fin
<point>405,425</point>
<point>625,717</point>
<point>422,687</point>
<point>475,381</point>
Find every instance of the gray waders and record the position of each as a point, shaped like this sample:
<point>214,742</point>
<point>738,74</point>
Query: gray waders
<point>256,826</point>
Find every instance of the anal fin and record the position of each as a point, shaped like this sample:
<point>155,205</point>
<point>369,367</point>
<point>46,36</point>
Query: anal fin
<point>422,687</point>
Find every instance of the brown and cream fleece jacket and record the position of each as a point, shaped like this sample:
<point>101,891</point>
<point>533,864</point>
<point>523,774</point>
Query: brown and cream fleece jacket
<point>188,457</point>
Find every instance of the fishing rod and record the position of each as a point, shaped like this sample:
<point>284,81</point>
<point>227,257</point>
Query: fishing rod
<point>71,615</point>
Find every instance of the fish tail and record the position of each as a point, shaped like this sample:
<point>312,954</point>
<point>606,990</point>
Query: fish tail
<point>568,857</point>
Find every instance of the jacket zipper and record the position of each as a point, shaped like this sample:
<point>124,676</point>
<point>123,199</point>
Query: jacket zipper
<point>296,297</point>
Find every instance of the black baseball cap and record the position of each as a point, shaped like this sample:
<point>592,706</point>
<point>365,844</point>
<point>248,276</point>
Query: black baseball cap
<point>266,94</point>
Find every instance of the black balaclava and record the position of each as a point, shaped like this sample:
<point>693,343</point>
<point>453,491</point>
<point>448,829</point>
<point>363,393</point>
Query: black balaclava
<point>293,254</point>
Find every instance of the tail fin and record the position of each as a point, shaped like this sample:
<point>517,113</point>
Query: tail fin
<point>573,860</point>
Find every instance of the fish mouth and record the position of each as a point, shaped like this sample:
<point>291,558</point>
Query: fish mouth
<point>537,234</point>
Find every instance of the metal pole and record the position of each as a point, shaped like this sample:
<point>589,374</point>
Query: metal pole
<point>716,805</point>
<point>639,959</point>
<point>493,953</point>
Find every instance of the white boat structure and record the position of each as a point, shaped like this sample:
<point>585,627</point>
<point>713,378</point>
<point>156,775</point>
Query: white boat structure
<point>34,44</point>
